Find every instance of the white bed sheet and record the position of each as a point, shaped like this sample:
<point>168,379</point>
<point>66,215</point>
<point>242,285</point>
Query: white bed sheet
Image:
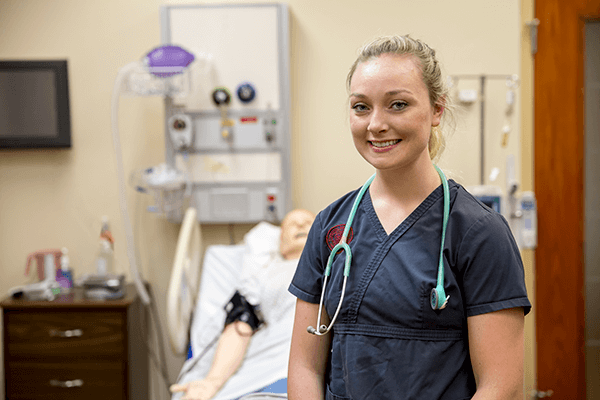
<point>223,272</point>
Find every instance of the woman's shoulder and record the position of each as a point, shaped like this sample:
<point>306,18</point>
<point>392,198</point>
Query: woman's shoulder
<point>339,208</point>
<point>471,212</point>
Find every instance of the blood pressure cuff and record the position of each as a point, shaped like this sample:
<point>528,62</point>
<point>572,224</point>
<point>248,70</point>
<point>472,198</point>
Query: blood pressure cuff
<point>238,309</point>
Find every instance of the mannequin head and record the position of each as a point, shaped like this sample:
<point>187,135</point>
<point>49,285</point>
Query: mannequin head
<point>294,230</point>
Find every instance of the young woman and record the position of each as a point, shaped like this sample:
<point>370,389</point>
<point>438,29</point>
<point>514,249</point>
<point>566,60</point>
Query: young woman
<point>397,336</point>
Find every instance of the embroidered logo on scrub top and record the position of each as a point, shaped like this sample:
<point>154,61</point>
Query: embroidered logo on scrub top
<point>335,235</point>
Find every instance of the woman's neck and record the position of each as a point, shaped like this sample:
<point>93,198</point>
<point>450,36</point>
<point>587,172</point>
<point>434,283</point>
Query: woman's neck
<point>396,194</point>
<point>407,185</point>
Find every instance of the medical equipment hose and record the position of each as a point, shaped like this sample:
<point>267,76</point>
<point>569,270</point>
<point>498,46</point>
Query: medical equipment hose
<point>139,284</point>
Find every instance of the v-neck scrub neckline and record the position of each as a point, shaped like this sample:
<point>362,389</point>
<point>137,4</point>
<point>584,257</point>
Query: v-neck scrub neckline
<point>408,221</point>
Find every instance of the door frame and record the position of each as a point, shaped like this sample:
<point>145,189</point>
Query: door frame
<point>559,187</point>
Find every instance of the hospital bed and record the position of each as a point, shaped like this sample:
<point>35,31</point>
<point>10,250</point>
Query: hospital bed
<point>265,364</point>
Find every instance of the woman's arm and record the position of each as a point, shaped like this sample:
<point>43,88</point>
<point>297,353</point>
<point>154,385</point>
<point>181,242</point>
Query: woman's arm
<point>229,355</point>
<point>308,355</point>
<point>496,342</point>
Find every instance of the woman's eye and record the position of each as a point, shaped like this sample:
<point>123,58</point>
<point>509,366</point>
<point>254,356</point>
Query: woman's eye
<point>359,107</point>
<point>399,105</point>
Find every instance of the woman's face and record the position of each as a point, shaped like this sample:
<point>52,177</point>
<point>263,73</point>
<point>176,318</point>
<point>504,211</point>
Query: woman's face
<point>391,116</point>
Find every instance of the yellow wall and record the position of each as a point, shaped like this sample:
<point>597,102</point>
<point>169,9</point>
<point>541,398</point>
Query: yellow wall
<point>527,173</point>
<point>55,198</point>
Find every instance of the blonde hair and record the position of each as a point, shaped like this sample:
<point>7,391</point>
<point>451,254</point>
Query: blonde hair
<point>430,70</point>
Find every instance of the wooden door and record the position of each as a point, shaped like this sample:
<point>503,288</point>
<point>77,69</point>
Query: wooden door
<point>559,183</point>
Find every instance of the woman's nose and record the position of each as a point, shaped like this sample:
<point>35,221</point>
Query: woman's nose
<point>377,121</point>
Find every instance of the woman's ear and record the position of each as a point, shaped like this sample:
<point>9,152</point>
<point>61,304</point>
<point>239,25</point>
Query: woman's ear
<point>438,111</point>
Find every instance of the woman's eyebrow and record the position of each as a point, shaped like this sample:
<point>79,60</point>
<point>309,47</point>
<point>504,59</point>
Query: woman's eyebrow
<point>390,93</point>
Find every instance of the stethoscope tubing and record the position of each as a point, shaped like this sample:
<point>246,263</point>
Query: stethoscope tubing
<point>438,299</point>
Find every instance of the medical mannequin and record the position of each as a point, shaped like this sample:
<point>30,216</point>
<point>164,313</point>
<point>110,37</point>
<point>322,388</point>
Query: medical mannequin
<point>236,336</point>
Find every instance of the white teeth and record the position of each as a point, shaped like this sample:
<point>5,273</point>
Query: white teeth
<point>385,144</point>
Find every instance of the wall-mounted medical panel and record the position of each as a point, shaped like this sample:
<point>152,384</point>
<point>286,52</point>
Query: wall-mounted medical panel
<point>223,204</point>
<point>247,131</point>
<point>231,133</point>
<point>219,168</point>
<point>234,45</point>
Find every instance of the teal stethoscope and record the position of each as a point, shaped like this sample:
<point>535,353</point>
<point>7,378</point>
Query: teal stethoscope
<point>438,299</point>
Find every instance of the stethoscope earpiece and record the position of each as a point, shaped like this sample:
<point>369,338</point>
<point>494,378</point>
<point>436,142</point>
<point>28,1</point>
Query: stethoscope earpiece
<point>322,330</point>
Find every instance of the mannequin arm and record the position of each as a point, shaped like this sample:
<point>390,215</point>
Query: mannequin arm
<point>229,355</point>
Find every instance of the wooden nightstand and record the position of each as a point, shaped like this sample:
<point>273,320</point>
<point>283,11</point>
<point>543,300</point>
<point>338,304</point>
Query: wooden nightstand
<point>75,348</point>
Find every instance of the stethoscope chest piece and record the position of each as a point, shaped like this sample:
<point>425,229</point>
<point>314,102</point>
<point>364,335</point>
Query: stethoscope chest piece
<point>438,298</point>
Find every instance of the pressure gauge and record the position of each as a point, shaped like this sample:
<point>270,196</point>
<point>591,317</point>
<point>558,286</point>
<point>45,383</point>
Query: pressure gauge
<point>246,92</point>
<point>180,131</point>
<point>221,96</point>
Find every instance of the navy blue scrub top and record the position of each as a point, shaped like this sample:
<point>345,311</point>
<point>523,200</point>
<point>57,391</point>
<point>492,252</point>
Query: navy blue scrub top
<point>387,342</point>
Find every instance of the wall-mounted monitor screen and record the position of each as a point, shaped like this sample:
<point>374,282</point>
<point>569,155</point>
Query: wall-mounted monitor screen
<point>34,104</point>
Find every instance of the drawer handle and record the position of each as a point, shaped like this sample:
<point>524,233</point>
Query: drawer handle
<point>67,334</point>
<point>66,384</point>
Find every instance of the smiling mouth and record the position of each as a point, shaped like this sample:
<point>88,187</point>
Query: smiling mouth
<point>301,235</point>
<point>382,145</point>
